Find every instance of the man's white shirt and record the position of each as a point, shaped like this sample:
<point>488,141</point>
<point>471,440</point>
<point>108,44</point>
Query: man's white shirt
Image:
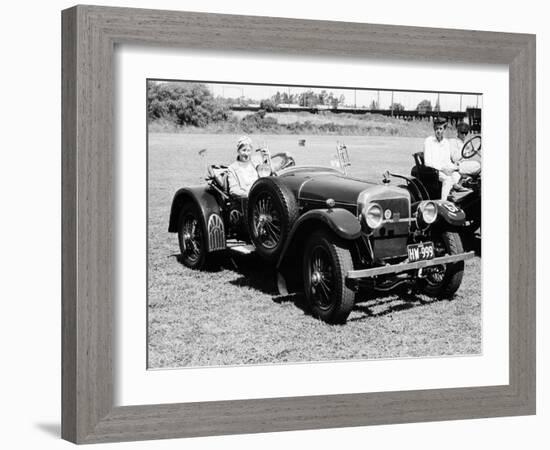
<point>437,154</point>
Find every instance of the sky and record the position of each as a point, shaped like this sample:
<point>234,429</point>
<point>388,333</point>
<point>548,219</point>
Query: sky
<point>354,97</point>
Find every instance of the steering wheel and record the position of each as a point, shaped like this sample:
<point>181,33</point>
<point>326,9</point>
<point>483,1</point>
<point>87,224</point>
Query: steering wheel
<point>286,160</point>
<point>471,147</point>
<point>279,161</point>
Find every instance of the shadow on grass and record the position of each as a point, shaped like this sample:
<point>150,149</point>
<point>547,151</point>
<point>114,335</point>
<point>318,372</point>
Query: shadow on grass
<point>253,271</point>
<point>256,274</point>
<point>215,263</point>
<point>298,298</point>
<point>376,304</point>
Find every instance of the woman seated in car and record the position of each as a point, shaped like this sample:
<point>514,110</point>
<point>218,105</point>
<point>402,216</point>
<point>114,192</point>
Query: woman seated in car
<point>244,171</point>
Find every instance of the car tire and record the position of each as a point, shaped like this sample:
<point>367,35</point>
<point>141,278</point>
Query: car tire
<point>271,211</point>
<point>192,238</point>
<point>445,282</point>
<point>326,262</point>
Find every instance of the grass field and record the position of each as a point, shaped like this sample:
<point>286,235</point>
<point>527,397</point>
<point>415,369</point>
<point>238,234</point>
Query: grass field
<point>233,316</point>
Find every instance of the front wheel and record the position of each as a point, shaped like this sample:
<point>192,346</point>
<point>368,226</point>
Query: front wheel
<point>444,280</point>
<point>326,263</point>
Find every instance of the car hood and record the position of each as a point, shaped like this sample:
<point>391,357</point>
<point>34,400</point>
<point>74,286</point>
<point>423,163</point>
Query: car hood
<point>319,184</point>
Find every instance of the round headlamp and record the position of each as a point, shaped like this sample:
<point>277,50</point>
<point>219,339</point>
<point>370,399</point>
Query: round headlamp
<point>373,215</point>
<point>427,213</point>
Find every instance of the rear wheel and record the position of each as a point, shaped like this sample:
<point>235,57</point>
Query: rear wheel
<point>444,280</point>
<point>326,262</point>
<point>191,238</point>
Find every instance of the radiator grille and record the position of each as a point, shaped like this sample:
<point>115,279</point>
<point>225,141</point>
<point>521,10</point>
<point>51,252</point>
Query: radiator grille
<point>390,240</point>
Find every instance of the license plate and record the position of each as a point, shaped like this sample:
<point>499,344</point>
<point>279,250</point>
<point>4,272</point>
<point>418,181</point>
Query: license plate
<point>420,252</point>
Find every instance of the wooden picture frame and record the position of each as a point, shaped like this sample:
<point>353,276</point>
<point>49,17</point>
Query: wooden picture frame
<point>90,34</point>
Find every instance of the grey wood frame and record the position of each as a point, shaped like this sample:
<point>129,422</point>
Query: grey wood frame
<point>89,36</point>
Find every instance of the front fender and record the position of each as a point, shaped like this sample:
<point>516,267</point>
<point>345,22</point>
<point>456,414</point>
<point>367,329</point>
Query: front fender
<point>447,212</point>
<point>207,204</point>
<point>450,213</point>
<point>342,222</point>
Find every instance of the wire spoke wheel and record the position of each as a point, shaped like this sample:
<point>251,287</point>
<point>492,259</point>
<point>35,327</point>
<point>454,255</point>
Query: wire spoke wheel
<point>443,281</point>
<point>192,238</point>
<point>321,273</point>
<point>271,212</point>
<point>327,260</point>
<point>266,223</point>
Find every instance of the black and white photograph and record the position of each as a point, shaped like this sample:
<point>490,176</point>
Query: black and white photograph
<point>294,224</point>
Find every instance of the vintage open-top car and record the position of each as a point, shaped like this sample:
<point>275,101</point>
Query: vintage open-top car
<point>325,232</point>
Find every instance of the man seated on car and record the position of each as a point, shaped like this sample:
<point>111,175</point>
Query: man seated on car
<point>437,154</point>
<point>470,166</point>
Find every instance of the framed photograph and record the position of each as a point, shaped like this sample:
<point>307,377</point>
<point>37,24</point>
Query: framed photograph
<point>266,230</point>
<point>246,181</point>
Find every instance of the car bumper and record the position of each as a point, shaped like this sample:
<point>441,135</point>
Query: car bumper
<point>406,266</point>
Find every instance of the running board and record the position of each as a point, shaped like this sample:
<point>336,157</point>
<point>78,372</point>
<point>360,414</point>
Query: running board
<point>403,267</point>
<point>245,249</point>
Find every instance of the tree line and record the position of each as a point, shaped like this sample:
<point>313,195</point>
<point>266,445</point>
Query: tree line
<point>193,104</point>
<point>185,104</point>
